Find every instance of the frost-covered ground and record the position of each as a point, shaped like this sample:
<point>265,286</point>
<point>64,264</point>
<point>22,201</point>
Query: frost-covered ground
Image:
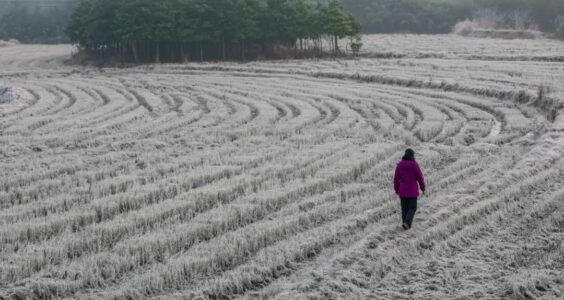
<point>273,179</point>
<point>455,46</point>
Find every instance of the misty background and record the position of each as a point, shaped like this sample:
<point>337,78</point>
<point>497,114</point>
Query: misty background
<point>45,21</point>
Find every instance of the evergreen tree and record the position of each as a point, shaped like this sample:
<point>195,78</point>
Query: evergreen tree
<point>171,30</point>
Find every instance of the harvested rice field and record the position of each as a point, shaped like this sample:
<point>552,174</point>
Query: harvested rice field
<point>273,179</point>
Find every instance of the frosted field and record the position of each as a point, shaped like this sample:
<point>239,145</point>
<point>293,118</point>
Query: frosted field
<point>272,180</point>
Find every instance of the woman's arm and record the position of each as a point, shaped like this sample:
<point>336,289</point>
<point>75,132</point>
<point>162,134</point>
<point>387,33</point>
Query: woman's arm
<point>396,180</point>
<point>420,178</point>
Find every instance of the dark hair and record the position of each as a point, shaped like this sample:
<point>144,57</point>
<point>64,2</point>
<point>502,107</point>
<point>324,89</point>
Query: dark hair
<point>409,155</point>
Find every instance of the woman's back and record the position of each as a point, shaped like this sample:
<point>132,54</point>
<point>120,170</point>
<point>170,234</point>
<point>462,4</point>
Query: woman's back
<point>408,179</point>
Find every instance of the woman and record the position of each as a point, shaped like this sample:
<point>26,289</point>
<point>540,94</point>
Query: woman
<point>406,179</point>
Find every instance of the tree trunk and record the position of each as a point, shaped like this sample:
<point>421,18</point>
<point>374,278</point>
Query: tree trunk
<point>158,54</point>
<point>336,44</point>
<point>223,48</point>
<point>183,53</point>
<point>134,49</point>
<point>243,50</point>
<point>201,51</point>
<point>144,55</point>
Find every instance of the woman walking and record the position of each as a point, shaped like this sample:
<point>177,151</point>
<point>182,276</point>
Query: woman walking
<point>408,179</point>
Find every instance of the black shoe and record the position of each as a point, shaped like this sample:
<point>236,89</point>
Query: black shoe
<point>405,226</point>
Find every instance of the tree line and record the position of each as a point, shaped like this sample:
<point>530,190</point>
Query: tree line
<point>41,21</point>
<point>440,16</point>
<point>197,30</point>
<point>36,21</point>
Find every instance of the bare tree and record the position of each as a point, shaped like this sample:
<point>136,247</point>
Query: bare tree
<point>558,21</point>
<point>488,18</point>
<point>559,27</point>
<point>520,19</point>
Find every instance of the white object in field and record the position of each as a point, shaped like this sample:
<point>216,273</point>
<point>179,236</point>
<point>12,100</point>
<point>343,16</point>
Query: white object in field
<point>6,95</point>
<point>14,98</point>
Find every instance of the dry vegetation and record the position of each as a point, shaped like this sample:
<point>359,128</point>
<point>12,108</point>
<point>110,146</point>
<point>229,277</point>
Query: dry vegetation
<point>9,43</point>
<point>273,179</point>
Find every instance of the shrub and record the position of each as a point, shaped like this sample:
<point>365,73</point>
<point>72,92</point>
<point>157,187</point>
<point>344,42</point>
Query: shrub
<point>560,31</point>
<point>10,42</point>
<point>465,28</point>
<point>474,28</point>
<point>356,44</point>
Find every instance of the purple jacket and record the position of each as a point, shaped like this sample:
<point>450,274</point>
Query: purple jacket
<point>407,175</point>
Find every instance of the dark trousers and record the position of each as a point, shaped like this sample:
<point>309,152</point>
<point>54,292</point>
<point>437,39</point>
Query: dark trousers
<point>408,209</point>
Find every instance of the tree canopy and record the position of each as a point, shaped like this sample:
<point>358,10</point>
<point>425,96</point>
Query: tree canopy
<point>173,30</point>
